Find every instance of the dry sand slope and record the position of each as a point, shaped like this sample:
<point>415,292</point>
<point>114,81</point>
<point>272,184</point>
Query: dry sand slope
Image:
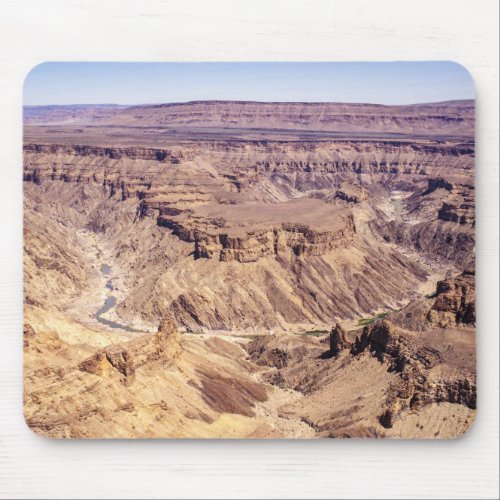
<point>246,270</point>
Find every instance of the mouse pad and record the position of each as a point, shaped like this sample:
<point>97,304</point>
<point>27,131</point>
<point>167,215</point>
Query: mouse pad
<point>249,250</point>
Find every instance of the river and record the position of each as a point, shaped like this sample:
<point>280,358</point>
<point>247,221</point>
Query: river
<point>109,303</point>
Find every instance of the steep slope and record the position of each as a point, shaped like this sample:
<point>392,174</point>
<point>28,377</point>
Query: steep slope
<point>152,386</point>
<point>425,381</point>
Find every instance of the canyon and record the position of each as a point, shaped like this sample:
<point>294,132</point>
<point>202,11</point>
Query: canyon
<point>245,269</point>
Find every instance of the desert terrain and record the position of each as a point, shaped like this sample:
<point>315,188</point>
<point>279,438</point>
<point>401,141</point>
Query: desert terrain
<point>249,270</point>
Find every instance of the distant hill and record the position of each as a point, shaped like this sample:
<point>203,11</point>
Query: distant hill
<point>451,118</point>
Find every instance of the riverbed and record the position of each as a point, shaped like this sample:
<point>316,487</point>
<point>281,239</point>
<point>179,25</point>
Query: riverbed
<point>110,303</point>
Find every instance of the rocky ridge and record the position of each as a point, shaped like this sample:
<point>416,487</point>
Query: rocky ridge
<point>164,347</point>
<point>447,117</point>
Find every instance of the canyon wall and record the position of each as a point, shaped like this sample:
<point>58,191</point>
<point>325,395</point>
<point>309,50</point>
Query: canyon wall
<point>227,240</point>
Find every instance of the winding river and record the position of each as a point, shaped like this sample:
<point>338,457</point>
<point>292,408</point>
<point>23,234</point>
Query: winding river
<point>109,303</point>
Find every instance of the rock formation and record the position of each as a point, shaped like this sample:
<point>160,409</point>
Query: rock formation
<point>338,340</point>
<point>452,305</point>
<point>455,298</point>
<point>184,265</point>
<point>163,347</point>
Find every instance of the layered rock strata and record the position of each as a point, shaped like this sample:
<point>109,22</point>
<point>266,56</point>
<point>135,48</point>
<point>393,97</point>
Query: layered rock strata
<point>164,347</point>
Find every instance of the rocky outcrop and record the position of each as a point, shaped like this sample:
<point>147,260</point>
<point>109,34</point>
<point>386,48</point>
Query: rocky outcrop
<point>390,345</point>
<point>413,372</point>
<point>418,383</point>
<point>350,193</point>
<point>163,347</point>
<point>457,390</point>
<point>438,183</point>
<point>281,351</point>
<point>338,340</point>
<point>106,361</point>
<point>208,391</point>
<point>451,306</point>
<point>417,388</point>
<point>455,299</point>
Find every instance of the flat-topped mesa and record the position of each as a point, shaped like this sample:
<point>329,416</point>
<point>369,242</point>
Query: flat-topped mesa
<point>446,118</point>
<point>283,239</point>
<point>298,239</point>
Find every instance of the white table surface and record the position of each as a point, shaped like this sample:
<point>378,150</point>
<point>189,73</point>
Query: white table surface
<point>154,30</point>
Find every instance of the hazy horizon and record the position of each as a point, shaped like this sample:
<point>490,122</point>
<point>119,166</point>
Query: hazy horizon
<point>127,84</point>
<point>112,104</point>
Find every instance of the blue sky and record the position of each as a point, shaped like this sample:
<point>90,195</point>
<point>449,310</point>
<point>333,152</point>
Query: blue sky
<point>144,83</point>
